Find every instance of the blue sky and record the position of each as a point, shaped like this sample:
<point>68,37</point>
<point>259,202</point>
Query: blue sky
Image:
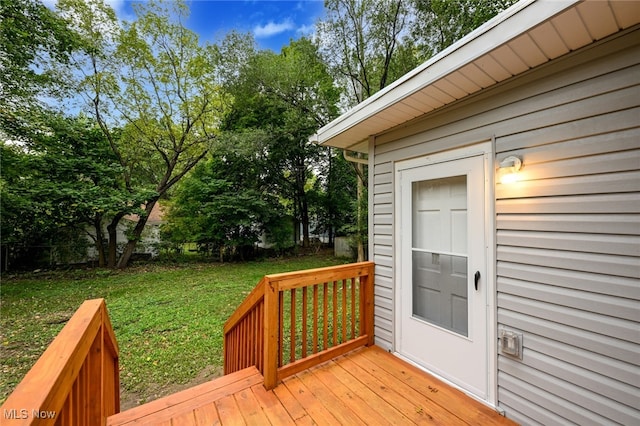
<point>272,22</point>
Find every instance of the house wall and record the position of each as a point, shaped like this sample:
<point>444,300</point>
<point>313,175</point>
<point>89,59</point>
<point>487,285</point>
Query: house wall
<point>149,242</point>
<point>568,234</point>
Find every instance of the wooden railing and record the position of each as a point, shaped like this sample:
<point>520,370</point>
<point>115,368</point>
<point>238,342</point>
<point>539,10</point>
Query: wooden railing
<point>76,380</point>
<point>295,320</point>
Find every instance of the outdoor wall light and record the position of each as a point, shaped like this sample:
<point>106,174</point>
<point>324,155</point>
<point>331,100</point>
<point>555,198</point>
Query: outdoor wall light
<point>509,168</point>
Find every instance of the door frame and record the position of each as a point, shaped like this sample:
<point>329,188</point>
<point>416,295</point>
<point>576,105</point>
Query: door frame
<point>486,150</point>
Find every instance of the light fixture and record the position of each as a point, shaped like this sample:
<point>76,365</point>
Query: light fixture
<point>509,168</point>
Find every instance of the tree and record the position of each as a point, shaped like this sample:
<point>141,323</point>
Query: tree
<point>450,20</point>
<point>159,87</point>
<point>360,40</point>
<point>32,38</point>
<point>338,195</point>
<point>223,205</point>
<point>286,96</point>
<point>79,174</point>
<point>64,177</point>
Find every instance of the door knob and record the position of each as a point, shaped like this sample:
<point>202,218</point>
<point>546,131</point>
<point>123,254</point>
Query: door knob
<point>476,278</point>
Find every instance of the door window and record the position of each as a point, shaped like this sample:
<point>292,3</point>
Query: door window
<point>439,252</point>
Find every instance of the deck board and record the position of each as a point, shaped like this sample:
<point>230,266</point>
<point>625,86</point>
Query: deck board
<point>417,408</point>
<point>368,387</point>
<point>450,399</point>
<point>206,415</point>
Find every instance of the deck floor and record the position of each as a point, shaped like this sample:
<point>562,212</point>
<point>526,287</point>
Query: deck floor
<point>365,387</point>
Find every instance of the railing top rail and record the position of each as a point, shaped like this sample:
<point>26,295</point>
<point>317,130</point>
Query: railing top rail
<point>291,280</point>
<point>249,302</point>
<point>43,387</point>
<point>110,339</point>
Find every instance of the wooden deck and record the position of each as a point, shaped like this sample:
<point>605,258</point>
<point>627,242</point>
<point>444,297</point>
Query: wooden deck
<point>365,387</point>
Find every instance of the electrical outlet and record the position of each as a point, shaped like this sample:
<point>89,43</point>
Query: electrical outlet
<point>511,343</point>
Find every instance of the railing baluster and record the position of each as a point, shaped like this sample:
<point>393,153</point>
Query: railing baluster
<point>344,310</point>
<point>230,342</point>
<point>252,338</point>
<point>325,316</point>
<point>245,348</point>
<point>241,360</point>
<point>335,313</point>
<point>240,337</point>
<point>76,403</point>
<point>236,361</point>
<point>261,337</point>
<point>353,308</point>
<point>256,338</point>
<point>304,322</point>
<point>362,309</point>
<point>315,318</point>
<point>281,327</point>
<point>292,354</point>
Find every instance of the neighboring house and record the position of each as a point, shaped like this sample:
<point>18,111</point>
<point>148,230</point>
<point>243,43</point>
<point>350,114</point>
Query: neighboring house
<point>150,240</point>
<point>526,295</point>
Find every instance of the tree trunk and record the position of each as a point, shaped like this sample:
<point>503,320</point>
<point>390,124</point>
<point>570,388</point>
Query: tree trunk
<point>112,231</point>
<point>305,221</point>
<point>296,224</point>
<point>301,201</point>
<point>102,256</point>
<point>123,262</point>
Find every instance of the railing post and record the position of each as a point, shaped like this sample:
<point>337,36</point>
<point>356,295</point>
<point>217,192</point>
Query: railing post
<point>366,283</point>
<point>271,334</point>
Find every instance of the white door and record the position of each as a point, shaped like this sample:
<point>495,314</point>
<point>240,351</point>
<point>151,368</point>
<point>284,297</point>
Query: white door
<point>441,290</point>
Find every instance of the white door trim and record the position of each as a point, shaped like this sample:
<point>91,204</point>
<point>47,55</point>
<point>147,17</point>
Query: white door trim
<point>485,149</point>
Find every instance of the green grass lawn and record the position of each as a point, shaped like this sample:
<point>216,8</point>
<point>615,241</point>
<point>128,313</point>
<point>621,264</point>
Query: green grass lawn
<point>167,319</point>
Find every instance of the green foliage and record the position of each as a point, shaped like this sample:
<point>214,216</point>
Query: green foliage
<point>336,206</point>
<point>154,83</point>
<point>32,40</point>
<point>75,172</point>
<point>170,101</point>
<point>283,98</point>
<point>279,233</point>
<point>360,40</point>
<point>222,205</point>
<point>62,179</point>
<point>450,20</point>
<point>14,203</point>
<point>368,44</point>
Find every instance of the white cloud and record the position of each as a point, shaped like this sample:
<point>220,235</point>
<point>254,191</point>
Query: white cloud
<point>306,30</point>
<point>272,28</point>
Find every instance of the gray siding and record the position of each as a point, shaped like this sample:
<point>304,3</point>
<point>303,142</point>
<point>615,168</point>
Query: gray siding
<point>383,253</point>
<point>568,234</point>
